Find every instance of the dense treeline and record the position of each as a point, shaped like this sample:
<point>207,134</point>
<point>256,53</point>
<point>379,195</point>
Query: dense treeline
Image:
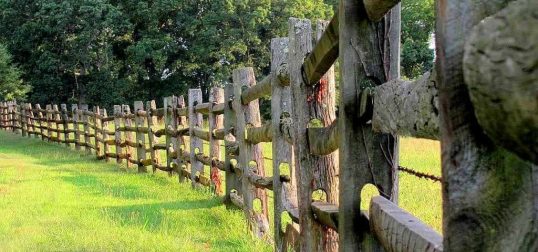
<point>116,51</point>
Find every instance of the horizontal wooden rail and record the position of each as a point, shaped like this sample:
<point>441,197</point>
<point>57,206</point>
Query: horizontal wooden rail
<point>260,134</point>
<point>323,141</point>
<point>261,89</point>
<point>326,214</point>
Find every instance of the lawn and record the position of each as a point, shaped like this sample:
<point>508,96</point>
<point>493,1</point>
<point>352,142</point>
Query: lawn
<point>54,198</point>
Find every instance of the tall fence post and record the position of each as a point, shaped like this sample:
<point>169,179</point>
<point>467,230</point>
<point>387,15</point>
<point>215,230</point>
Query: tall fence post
<point>151,121</point>
<point>97,137</point>
<point>117,132</point>
<point>56,119</point>
<point>195,120</point>
<point>169,127</point>
<point>140,136</point>
<point>104,131</point>
<point>249,115</point>
<point>2,120</point>
<point>127,122</point>
<point>86,123</point>
<point>10,111</point>
<point>18,119</point>
<point>182,146</point>
<point>39,120</point>
<point>230,159</point>
<point>65,120</point>
<point>48,116</point>
<point>215,123</point>
<point>362,151</point>
<point>24,125</point>
<point>30,120</point>
<point>285,195</point>
<point>76,128</point>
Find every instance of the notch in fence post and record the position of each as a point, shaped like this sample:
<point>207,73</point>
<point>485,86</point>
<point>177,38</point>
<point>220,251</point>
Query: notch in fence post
<point>196,145</point>
<point>285,194</point>
<point>140,136</point>
<point>182,146</point>
<point>65,120</point>
<point>230,120</point>
<point>215,123</point>
<point>85,122</point>
<point>104,134</point>
<point>117,132</point>
<point>151,121</point>
<point>249,115</point>
<point>126,110</point>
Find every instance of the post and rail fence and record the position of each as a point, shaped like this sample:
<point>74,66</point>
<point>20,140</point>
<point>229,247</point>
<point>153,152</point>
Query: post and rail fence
<point>313,148</point>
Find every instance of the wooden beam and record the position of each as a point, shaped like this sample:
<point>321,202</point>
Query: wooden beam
<point>323,141</point>
<point>215,122</point>
<point>261,89</point>
<point>376,9</point>
<point>326,214</point>
<point>407,108</point>
<point>259,134</point>
<point>325,53</point>
<point>195,120</point>
<point>398,230</point>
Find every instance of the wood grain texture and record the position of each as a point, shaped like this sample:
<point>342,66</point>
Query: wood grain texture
<point>215,122</point>
<point>232,179</point>
<point>484,185</point>
<point>140,137</point>
<point>195,120</point>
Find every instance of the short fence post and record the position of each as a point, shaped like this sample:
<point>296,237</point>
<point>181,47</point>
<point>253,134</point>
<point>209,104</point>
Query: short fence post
<point>85,121</point>
<point>196,145</point>
<point>65,121</point>
<point>180,159</point>
<point>215,123</point>
<point>151,121</point>
<point>117,132</point>
<point>250,115</point>
<point>140,136</point>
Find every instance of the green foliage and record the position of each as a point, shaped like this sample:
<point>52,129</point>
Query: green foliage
<point>418,20</point>
<point>11,85</point>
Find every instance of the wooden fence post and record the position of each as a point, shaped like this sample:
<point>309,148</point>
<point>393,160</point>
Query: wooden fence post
<point>285,195</point>
<point>86,123</point>
<point>39,120</point>
<point>215,122</point>
<point>151,121</point>
<point>31,120</point>
<point>65,120</point>
<point>127,122</point>
<point>195,120</point>
<point>76,128</point>
<point>182,146</point>
<point>249,115</point>
<point>23,122</point>
<point>104,131</point>
<point>170,104</point>
<point>140,136</point>
<point>117,132</point>
<point>48,116</point>
<point>18,118</point>
<point>96,136</point>
<point>362,151</point>
<point>231,178</point>
<point>10,116</point>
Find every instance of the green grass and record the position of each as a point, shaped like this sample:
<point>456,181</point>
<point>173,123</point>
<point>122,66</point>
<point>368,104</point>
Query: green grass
<point>54,198</point>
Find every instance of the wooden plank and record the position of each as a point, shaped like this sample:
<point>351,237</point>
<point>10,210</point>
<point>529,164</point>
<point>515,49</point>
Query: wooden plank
<point>282,150</point>
<point>23,124</point>
<point>49,117</point>
<point>56,118</point>
<point>362,152</point>
<point>398,230</point>
<point>39,115</point>
<point>195,120</point>
<point>215,122</point>
<point>104,134</point>
<point>250,114</point>
<point>65,119</point>
<point>182,125</point>
<point>259,134</point>
<point>324,54</point>
<point>128,122</point>
<point>85,121</point>
<point>140,137</point>
<point>476,215</point>
<point>326,214</point>
<point>169,124</point>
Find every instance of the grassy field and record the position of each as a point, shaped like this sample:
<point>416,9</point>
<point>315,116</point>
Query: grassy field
<point>52,197</point>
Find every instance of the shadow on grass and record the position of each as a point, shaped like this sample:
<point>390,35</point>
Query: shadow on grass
<point>151,216</point>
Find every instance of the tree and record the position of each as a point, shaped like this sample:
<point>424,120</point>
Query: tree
<point>11,85</point>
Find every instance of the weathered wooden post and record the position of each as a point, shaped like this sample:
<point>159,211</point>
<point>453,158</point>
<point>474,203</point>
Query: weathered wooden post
<point>151,121</point>
<point>55,119</point>
<point>76,128</point>
<point>117,132</point>
<point>104,130</point>
<point>195,120</point>
<point>140,136</point>
<point>65,120</point>
<point>489,193</point>
<point>127,123</point>
<point>18,118</point>
<point>232,179</point>
<point>2,115</point>
<point>48,116</point>
<point>183,124</point>
<point>39,120</point>
<point>215,122</point>
<point>170,126</point>
<point>97,136</point>
<point>23,122</point>
<point>362,152</point>
<point>86,123</point>
<point>249,115</point>
<point>10,115</point>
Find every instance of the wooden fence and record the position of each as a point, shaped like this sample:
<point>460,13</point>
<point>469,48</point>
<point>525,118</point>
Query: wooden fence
<point>314,150</point>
